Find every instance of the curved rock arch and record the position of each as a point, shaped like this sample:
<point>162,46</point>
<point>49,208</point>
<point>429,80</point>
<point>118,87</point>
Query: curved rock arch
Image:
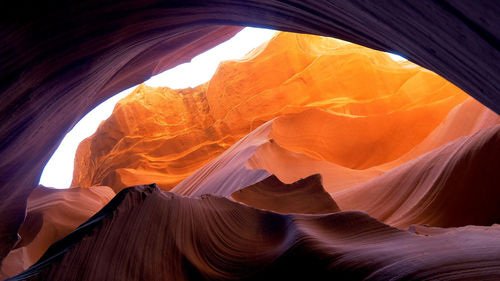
<point>60,60</point>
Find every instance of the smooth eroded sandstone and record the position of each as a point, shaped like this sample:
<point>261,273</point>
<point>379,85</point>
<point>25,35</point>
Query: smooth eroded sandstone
<point>306,196</point>
<point>60,60</point>
<point>454,185</point>
<point>338,102</point>
<point>51,215</point>
<point>148,234</point>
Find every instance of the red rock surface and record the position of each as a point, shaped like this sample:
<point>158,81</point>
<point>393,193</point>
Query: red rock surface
<point>372,111</point>
<point>213,238</point>
<point>51,215</point>
<point>454,185</point>
<point>407,151</point>
<point>60,60</point>
<point>49,87</point>
<point>465,119</point>
<point>306,196</point>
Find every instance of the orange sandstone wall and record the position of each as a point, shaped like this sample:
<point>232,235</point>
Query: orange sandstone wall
<point>340,103</point>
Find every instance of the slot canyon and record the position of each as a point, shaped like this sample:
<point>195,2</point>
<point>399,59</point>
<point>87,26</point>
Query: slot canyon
<point>314,157</point>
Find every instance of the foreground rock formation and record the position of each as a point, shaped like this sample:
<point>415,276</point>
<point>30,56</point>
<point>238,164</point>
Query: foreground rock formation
<point>51,215</point>
<point>212,238</point>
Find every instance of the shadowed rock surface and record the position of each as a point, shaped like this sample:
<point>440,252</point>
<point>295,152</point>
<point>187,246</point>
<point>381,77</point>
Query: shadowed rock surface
<point>306,196</point>
<point>148,234</point>
<point>51,215</point>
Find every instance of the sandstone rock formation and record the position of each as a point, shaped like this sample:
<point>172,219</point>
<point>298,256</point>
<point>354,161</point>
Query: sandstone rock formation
<point>405,146</point>
<point>213,238</point>
<point>48,86</point>
<point>60,60</point>
<point>372,111</point>
<point>306,196</point>
<point>51,215</point>
<point>454,185</point>
<point>465,119</point>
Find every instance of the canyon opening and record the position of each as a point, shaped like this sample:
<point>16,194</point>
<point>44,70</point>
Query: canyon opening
<point>302,157</point>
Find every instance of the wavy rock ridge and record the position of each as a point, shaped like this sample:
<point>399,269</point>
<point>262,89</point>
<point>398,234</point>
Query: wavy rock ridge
<point>60,60</point>
<point>162,135</point>
<point>214,238</point>
<point>405,146</point>
<point>51,215</point>
<point>304,196</point>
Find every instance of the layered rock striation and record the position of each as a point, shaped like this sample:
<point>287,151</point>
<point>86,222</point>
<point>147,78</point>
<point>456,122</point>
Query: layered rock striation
<point>59,61</point>
<point>304,196</point>
<point>337,102</point>
<point>214,238</point>
<point>51,215</point>
<point>345,164</point>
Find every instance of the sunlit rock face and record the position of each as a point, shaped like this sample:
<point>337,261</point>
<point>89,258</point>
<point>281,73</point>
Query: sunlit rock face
<point>338,102</point>
<point>311,158</point>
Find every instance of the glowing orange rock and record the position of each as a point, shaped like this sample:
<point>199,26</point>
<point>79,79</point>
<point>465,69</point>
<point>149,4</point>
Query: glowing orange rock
<point>290,166</point>
<point>340,103</point>
<point>454,185</point>
<point>388,138</point>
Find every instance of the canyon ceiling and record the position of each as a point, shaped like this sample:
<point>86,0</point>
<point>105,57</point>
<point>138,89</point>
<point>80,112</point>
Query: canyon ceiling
<point>59,60</point>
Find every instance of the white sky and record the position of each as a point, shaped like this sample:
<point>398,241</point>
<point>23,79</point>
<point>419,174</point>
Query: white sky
<point>58,172</point>
<point>396,57</point>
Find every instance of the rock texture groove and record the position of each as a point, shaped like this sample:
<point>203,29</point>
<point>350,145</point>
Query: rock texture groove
<point>406,152</point>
